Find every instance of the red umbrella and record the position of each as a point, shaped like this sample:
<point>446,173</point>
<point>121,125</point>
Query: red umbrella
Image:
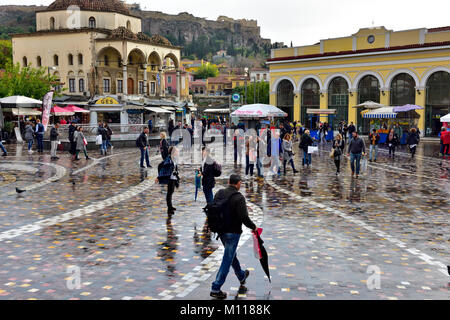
<point>58,111</point>
<point>77,109</point>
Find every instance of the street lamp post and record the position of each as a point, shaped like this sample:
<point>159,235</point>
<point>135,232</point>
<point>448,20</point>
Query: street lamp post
<point>246,75</point>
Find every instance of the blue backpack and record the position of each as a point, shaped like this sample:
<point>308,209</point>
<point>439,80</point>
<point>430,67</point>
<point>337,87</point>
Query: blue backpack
<point>165,171</point>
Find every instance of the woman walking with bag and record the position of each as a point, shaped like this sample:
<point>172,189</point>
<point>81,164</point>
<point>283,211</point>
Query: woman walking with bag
<point>392,142</point>
<point>81,143</point>
<point>288,155</point>
<point>336,153</point>
<point>413,142</point>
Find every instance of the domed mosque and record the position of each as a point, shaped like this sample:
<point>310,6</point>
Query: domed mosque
<point>97,48</point>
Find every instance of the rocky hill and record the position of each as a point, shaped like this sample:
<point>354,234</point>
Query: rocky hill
<point>198,36</point>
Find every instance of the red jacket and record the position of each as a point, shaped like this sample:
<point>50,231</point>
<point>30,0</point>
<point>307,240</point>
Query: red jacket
<point>445,137</point>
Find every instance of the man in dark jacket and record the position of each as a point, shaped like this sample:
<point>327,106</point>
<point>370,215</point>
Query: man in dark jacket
<point>209,171</point>
<point>413,141</point>
<point>101,131</point>
<point>305,142</point>
<point>351,129</point>
<point>142,143</point>
<point>54,141</point>
<point>237,215</point>
<point>40,130</point>
<point>73,144</point>
<point>357,148</point>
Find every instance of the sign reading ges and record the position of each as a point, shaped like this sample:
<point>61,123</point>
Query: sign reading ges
<point>107,100</point>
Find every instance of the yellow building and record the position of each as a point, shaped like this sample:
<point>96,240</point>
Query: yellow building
<point>97,48</point>
<point>393,68</point>
<point>192,66</point>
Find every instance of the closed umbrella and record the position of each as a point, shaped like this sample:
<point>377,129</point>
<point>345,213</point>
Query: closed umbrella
<point>261,252</point>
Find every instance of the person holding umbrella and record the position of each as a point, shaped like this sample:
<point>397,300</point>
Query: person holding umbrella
<point>231,233</point>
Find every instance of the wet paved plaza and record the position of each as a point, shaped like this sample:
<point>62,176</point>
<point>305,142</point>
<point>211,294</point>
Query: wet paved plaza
<point>106,221</point>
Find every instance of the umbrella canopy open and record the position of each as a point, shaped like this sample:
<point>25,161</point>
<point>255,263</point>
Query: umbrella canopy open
<point>25,112</point>
<point>408,107</point>
<point>19,100</point>
<point>370,105</point>
<point>75,109</point>
<point>446,118</point>
<point>381,113</point>
<point>259,111</point>
<point>58,111</point>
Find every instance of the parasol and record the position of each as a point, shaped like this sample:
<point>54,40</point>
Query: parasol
<point>76,109</point>
<point>407,108</point>
<point>446,118</point>
<point>259,111</point>
<point>370,105</point>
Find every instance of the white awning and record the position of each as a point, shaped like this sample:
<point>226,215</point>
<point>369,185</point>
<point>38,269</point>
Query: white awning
<point>25,112</point>
<point>193,109</point>
<point>222,111</point>
<point>157,110</point>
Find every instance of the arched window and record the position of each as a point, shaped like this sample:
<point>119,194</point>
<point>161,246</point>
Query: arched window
<point>39,61</point>
<point>129,25</point>
<point>285,97</point>
<point>403,90</point>
<point>55,60</point>
<point>80,59</point>
<point>92,22</point>
<point>338,99</point>
<point>70,59</point>
<point>310,100</point>
<point>52,23</point>
<point>437,101</point>
<point>368,90</point>
<point>25,61</point>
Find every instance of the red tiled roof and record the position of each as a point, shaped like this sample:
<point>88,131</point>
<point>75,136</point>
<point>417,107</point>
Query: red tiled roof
<point>439,29</point>
<point>341,53</point>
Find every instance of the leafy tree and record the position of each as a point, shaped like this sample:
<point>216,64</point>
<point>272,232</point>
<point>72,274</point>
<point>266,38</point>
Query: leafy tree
<point>207,71</point>
<point>27,81</point>
<point>5,53</point>
<point>262,92</point>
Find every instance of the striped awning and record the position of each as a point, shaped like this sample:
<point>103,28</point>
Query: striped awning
<point>381,113</point>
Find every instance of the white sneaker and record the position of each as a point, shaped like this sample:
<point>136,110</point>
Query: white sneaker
<point>30,151</point>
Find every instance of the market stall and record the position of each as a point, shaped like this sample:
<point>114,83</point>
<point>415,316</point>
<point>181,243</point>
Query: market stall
<point>253,114</point>
<point>315,116</point>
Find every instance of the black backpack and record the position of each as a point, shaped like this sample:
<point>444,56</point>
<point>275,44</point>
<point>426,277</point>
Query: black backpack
<point>218,214</point>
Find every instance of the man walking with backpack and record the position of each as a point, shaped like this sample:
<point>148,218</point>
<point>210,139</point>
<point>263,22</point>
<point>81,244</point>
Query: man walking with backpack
<point>225,217</point>
<point>210,170</point>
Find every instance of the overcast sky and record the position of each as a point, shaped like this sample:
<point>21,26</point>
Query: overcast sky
<point>307,21</point>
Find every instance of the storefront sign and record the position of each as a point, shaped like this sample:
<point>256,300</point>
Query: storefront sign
<point>107,101</point>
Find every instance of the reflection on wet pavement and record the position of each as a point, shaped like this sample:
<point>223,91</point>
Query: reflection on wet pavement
<point>132,250</point>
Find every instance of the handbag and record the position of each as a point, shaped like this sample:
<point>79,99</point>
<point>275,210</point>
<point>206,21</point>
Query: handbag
<point>332,153</point>
<point>85,142</point>
<point>98,140</point>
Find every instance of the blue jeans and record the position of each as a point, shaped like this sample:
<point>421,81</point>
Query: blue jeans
<point>306,158</point>
<point>3,148</point>
<point>373,149</point>
<point>230,242</point>
<point>209,196</point>
<point>357,158</point>
<point>40,142</point>
<point>144,154</point>
<point>30,144</point>
<point>108,144</point>
<point>103,146</point>
<point>260,167</point>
